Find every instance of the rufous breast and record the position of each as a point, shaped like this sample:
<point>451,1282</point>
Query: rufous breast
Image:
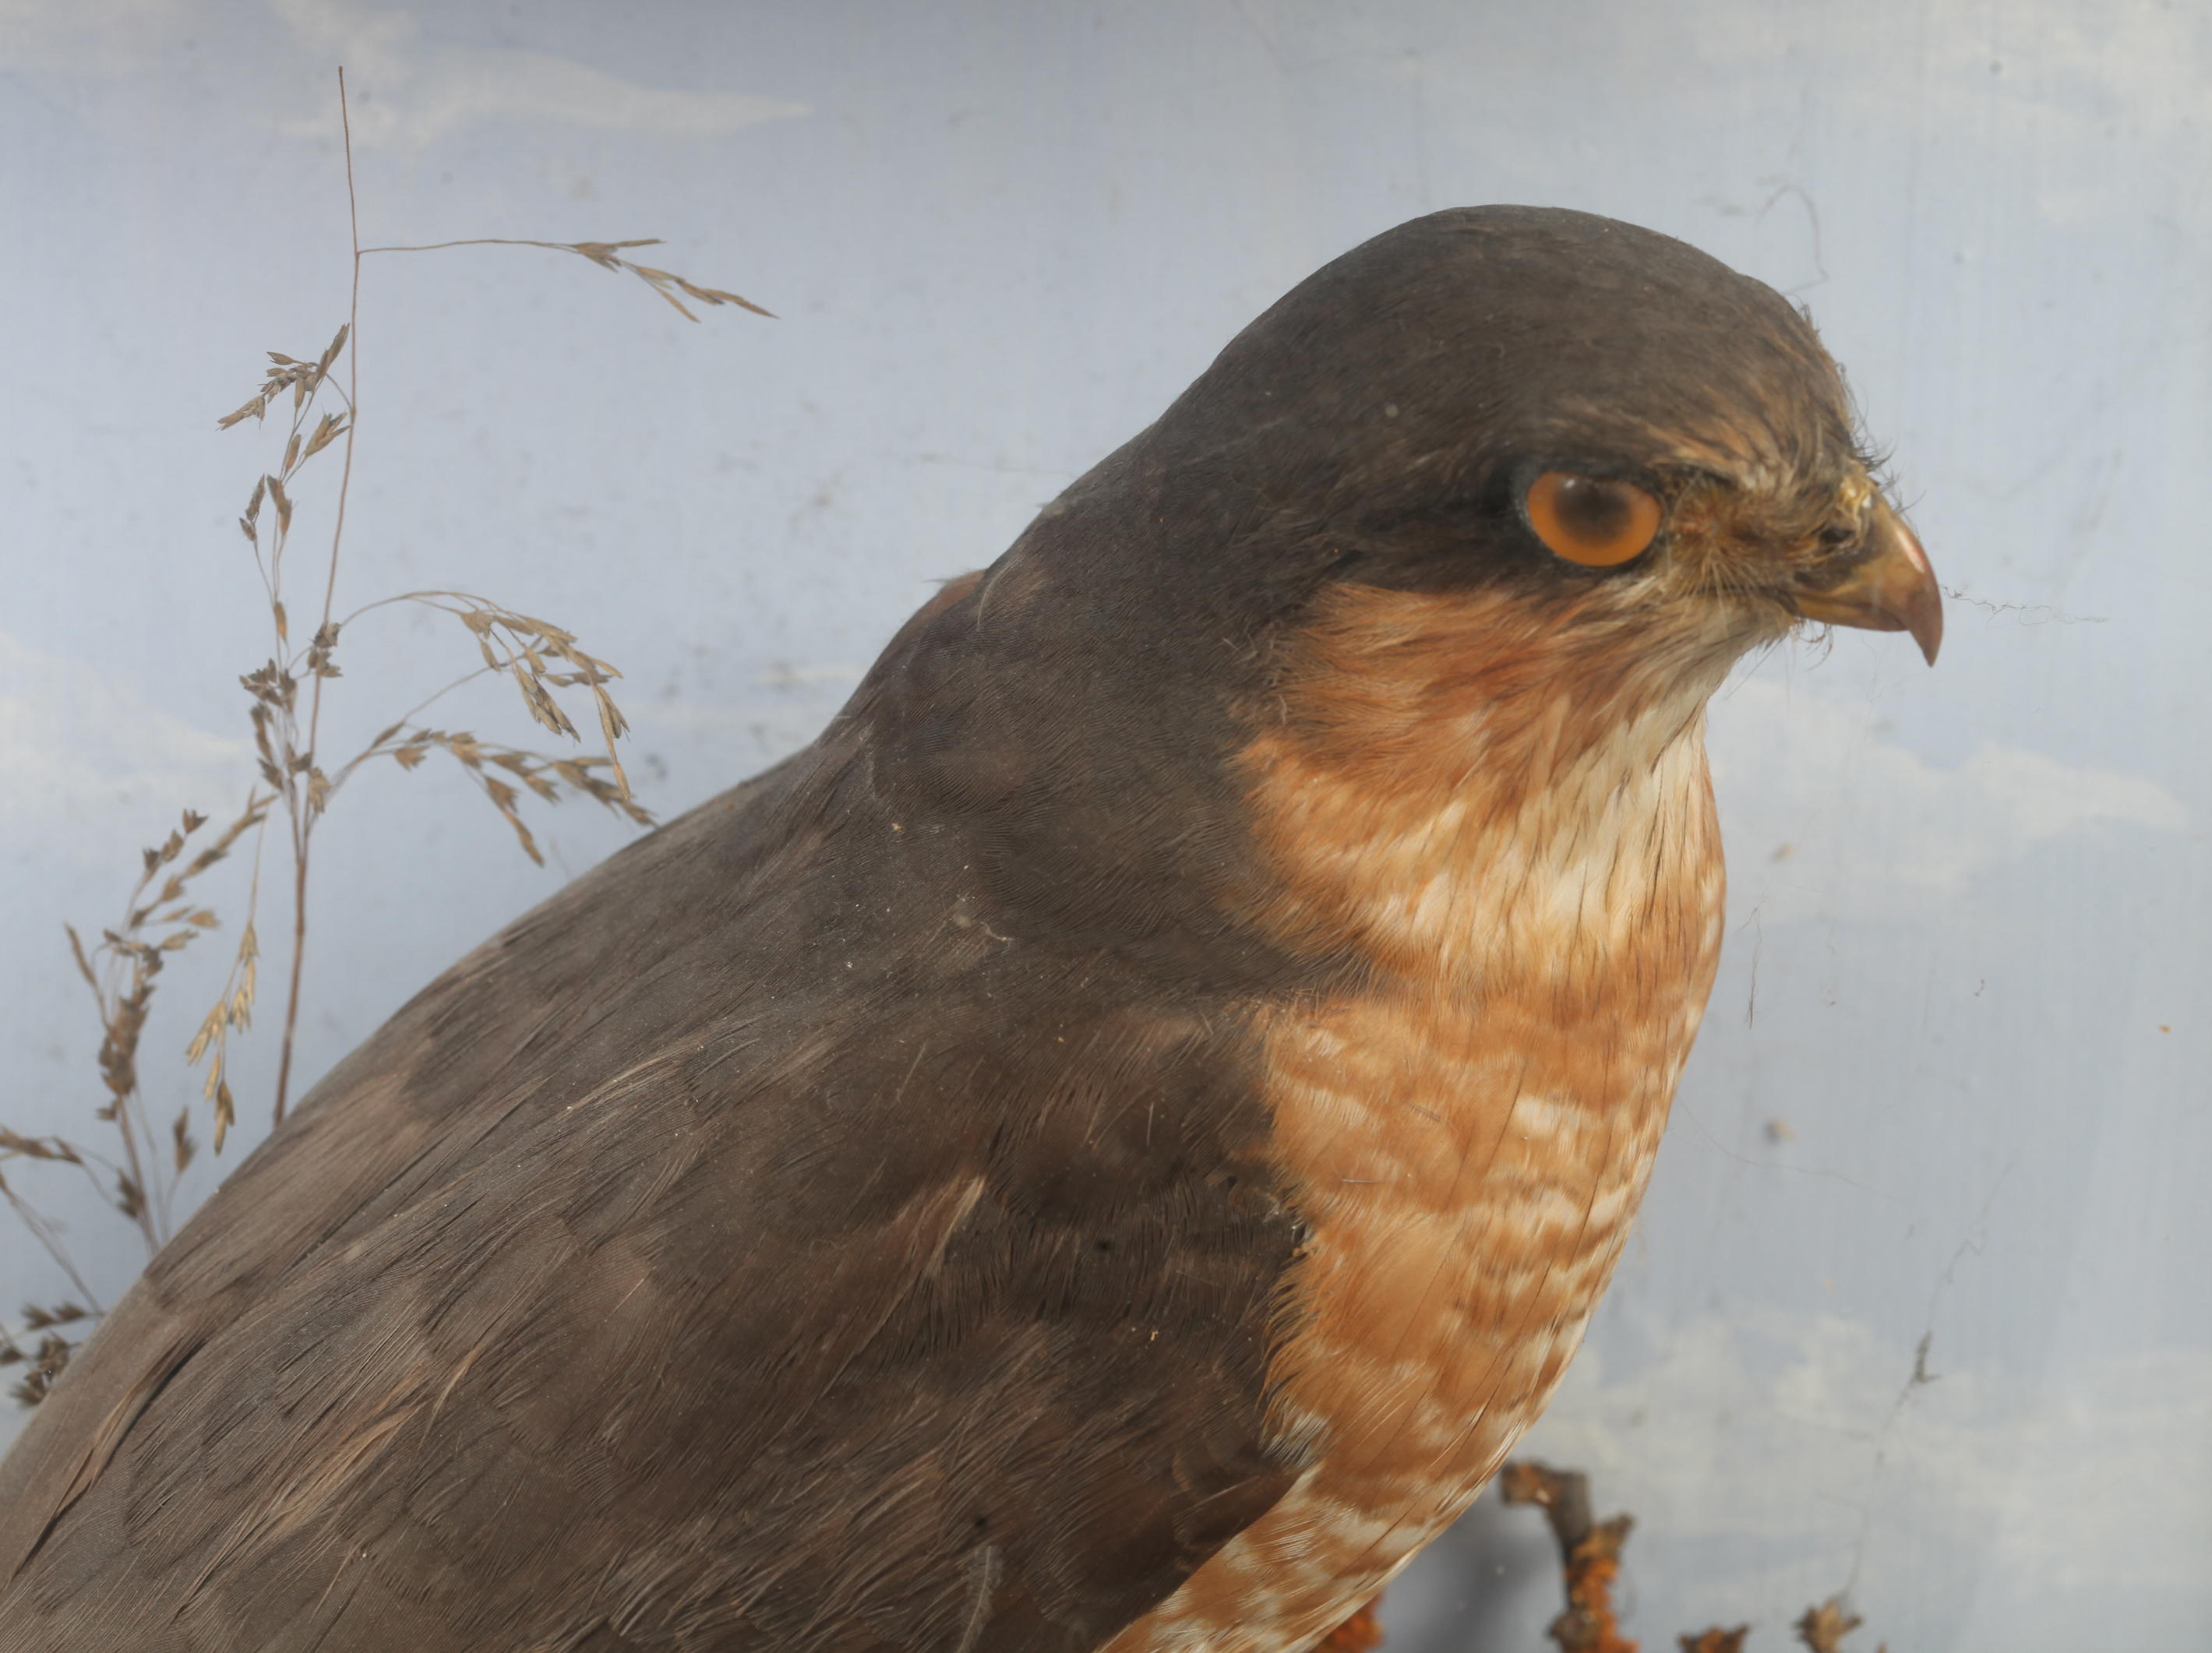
<point>1506,818</point>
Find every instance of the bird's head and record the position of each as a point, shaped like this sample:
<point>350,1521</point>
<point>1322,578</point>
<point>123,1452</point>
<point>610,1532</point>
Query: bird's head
<point>1503,494</point>
<point>1476,517</point>
<point>1590,419</point>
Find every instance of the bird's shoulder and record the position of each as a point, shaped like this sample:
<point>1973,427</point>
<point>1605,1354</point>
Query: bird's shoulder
<point>750,1282</point>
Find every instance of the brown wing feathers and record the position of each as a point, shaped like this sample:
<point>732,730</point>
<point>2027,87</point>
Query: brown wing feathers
<point>731,1265</point>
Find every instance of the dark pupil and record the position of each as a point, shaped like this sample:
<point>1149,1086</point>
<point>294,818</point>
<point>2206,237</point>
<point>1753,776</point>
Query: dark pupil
<point>1592,509</point>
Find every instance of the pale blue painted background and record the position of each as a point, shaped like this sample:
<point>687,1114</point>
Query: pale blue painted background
<point>1001,237</point>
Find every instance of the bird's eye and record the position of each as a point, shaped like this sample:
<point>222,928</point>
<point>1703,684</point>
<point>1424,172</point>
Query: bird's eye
<point>1597,521</point>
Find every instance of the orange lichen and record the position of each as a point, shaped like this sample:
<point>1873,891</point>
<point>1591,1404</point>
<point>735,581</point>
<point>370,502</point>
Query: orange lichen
<point>1357,1634</point>
<point>1590,1551</point>
<point>1589,1625</point>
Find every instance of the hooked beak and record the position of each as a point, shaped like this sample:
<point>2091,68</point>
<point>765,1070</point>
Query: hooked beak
<point>1889,586</point>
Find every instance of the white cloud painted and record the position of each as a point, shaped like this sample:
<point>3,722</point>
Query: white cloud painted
<point>412,92</point>
<point>2057,63</point>
<point>84,756</point>
<point>1801,1440</point>
<point>1814,804</point>
<point>408,90</point>
<point>113,38</point>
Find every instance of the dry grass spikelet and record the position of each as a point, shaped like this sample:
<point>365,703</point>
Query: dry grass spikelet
<point>298,787</point>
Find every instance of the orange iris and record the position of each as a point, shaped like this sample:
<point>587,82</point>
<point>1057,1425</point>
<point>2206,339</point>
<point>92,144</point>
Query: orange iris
<point>1599,522</point>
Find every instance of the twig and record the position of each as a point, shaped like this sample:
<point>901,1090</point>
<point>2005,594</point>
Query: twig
<point>1589,1551</point>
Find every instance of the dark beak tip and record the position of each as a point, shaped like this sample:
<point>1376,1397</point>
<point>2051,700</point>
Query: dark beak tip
<point>1912,596</point>
<point>1926,624</point>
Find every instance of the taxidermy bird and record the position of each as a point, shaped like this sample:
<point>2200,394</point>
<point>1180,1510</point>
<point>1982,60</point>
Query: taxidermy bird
<point>1108,1147</point>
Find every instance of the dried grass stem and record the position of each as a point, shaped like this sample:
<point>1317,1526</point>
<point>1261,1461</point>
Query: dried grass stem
<point>122,967</point>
